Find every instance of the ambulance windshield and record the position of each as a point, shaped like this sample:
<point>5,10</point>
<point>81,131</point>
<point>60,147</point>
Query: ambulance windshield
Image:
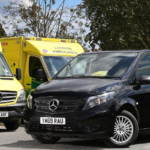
<point>56,63</point>
<point>4,68</point>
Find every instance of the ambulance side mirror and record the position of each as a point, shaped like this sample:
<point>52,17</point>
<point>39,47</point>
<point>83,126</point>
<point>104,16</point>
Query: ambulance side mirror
<point>18,73</point>
<point>39,75</point>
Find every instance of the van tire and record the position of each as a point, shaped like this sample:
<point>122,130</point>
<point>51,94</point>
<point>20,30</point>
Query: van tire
<point>45,139</point>
<point>13,125</point>
<point>122,129</point>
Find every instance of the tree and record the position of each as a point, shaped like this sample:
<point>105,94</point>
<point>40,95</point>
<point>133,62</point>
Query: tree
<point>2,32</point>
<point>118,24</point>
<point>42,19</point>
<point>86,49</point>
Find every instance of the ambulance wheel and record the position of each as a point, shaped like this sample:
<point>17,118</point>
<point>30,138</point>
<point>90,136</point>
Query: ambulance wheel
<point>13,125</point>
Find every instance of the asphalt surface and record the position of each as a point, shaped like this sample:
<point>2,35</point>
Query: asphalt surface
<point>19,140</point>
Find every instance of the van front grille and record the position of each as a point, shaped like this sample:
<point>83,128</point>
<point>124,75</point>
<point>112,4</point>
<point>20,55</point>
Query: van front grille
<point>66,105</point>
<point>7,96</point>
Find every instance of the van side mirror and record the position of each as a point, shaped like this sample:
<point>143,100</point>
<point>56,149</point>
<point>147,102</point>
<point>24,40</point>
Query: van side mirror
<point>144,80</point>
<point>39,75</point>
<point>18,73</point>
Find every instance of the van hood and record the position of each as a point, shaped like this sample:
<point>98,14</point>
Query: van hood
<point>77,87</point>
<point>9,84</point>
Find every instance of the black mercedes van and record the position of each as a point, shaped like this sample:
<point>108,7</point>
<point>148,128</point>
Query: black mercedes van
<point>98,95</point>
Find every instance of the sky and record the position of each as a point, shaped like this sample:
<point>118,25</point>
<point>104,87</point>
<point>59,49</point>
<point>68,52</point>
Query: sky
<point>69,2</point>
<point>58,2</point>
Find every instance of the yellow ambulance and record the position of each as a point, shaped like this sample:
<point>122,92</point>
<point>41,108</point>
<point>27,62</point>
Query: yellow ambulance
<point>12,95</point>
<point>39,58</point>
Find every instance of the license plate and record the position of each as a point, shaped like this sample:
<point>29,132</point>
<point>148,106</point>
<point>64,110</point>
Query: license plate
<point>3,114</point>
<point>51,120</point>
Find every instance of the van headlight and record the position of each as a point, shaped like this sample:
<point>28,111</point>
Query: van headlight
<point>21,95</point>
<point>29,101</point>
<point>97,100</point>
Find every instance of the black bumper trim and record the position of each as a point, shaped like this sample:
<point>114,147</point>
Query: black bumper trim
<point>15,111</point>
<point>18,104</point>
<point>99,135</point>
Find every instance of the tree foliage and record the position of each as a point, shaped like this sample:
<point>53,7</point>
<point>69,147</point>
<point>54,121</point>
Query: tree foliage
<point>2,32</point>
<point>43,19</point>
<point>118,24</point>
<point>86,49</point>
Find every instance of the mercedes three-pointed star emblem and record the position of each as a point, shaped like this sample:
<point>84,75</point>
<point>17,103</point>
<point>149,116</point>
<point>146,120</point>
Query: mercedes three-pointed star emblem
<point>53,104</point>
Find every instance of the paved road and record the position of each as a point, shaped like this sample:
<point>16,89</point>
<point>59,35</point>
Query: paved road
<point>19,140</point>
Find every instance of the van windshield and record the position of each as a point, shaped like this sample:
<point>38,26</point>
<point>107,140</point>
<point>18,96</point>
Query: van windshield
<point>104,64</point>
<point>4,68</point>
<point>56,63</point>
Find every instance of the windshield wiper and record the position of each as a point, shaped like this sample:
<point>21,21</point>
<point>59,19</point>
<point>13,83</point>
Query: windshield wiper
<point>105,77</point>
<point>5,76</point>
<point>62,77</point>
<point>78,76</point>
<point>83,76</point>
<point>75,76</point>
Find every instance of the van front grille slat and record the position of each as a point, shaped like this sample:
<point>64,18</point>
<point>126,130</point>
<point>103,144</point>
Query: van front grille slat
<point>56,112</point>
<point>4,92</point>
<point>7,97</point>
<point>6,101</point>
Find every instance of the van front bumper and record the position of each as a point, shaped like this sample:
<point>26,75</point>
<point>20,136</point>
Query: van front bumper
<point>15,112</point>
<point>83,125</point>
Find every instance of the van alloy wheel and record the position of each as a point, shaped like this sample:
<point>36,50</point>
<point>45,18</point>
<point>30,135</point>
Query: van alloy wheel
<point>123,130</point>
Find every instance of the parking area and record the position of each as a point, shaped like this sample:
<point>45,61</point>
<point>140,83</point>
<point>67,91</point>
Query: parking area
<point>20,140</point>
